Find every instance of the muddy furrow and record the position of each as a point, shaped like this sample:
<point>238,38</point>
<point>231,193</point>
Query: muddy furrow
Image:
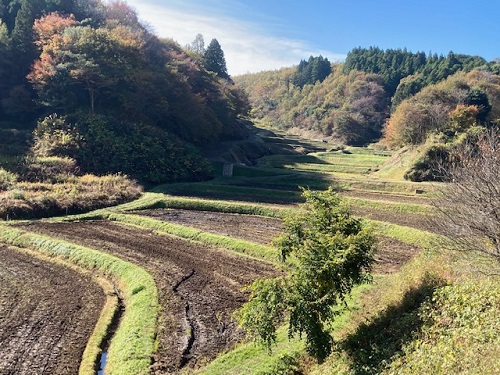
<point>47,314</point>
<point>189,321</point>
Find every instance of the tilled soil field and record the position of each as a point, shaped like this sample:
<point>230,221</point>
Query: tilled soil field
<point>422,222</point>
<point>199,287</point>
<point>252,228</point>
<point>47,314</point>
<point>390,257</point>
<point>392,254</point>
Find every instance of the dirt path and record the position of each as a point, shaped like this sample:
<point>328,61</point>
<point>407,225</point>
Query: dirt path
<point>47,314</point>
<point>199,287</point>
<point>252,228</point>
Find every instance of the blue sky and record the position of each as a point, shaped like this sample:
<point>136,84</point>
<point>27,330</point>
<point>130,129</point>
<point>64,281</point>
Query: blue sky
<point>261,35</point>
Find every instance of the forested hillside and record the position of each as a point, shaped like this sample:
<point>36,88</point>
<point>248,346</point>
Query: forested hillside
<point>396,96</point>
<point>108,93</point>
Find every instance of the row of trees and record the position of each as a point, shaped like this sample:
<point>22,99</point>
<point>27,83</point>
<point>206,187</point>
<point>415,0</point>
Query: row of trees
<point>396,64</point>
<point>353,101</point>
<point>316,69</point>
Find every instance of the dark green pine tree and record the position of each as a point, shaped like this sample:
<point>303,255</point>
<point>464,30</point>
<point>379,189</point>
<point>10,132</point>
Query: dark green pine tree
<point>479,98</point>
<point>215,60</point>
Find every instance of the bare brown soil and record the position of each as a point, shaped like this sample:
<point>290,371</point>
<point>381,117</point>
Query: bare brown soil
<point>199,287</point>
<point>422,222</point>
<point>392,254</point>
<point>252,228</point>
<point>47,314</point>
<point>390,257</point>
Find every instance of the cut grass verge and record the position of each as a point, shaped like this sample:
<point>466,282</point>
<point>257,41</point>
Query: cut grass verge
<point>132,346</point>
<point>154,200</point>
<point>97,340</point>
<point>250,358</point>
<point>404,208</point>
<point>423,239</point>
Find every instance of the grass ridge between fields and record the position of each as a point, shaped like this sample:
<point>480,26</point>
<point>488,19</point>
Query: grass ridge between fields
<point>234,244</point>
<point>133,344</point>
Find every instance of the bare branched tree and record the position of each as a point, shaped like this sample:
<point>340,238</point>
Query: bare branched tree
<point>470,201</point>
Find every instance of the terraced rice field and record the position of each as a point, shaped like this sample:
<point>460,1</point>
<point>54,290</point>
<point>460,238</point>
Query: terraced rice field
<point>199,287</point>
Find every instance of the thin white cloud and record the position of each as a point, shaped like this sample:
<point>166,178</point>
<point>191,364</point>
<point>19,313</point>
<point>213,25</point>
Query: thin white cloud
<point>246,47</point>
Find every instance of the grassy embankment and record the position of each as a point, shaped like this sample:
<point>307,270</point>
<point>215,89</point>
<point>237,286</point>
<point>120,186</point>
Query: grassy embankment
<point>61,194</point>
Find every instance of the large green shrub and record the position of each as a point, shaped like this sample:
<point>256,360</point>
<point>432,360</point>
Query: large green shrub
<point>104,144</point>
<point>329,252</point>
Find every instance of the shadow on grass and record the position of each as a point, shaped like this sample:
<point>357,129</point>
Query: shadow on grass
<point>253,185</point>
<point>373,345</point>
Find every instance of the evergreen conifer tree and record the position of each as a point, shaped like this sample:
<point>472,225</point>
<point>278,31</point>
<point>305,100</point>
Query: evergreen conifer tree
<point>215,60</point>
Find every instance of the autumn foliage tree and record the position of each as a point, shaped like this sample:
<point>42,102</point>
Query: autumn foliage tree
<point>451,106</point>
<point>139,102</point>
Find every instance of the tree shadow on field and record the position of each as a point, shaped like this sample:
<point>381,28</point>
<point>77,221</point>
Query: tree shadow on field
<point>373,344</point>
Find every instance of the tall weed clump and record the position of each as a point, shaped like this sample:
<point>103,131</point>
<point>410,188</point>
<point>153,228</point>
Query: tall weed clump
<point>25,200</point>
<point>7,179</point>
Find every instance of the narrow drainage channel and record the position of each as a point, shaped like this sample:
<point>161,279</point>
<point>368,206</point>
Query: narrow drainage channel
<point>102,362</point>
<point>115,322</point>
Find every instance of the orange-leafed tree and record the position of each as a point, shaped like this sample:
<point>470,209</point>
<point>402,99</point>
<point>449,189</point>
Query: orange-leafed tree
<point>80,64</point>
<point>50,25</point>
<point>463,117</point>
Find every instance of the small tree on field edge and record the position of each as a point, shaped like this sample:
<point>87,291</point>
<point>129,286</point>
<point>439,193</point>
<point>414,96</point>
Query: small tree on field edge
<point>328,252</point>
<point>469,204</point>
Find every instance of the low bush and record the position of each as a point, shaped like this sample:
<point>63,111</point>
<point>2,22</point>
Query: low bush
<point>460,333</point>
<point>7,179</point>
